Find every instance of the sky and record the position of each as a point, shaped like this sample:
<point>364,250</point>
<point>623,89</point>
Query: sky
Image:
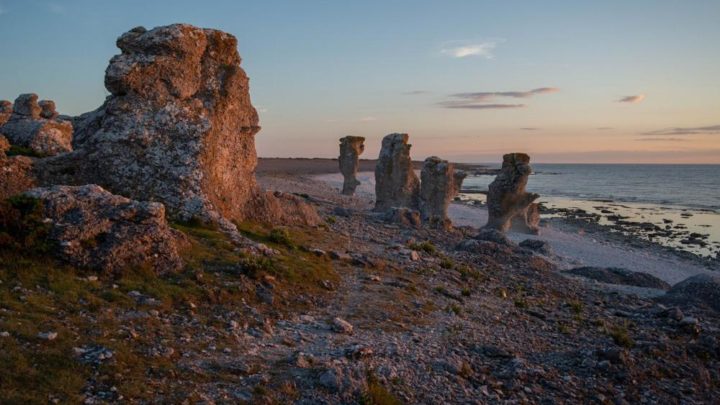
<point>565,81</point>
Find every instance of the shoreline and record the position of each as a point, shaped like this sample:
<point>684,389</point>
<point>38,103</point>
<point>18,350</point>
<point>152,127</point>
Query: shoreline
<point>575,243</point>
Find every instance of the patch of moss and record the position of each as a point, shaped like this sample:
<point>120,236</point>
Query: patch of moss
<point>621,336</point>
<point>425,246</point>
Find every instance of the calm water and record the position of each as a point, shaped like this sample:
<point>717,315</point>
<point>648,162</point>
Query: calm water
<point>683,197</point>
<point>696,186</point>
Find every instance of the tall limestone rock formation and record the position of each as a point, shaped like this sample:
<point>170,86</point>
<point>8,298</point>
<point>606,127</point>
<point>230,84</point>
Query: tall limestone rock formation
<point>439,184</point>
<point>351,147</point>
<point>507,197</point>
<point>178,128</point>
<point>396,184</point>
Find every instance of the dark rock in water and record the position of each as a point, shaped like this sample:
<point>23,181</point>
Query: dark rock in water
<point>702,289</point>
<point>396,184</point>
<point>351,147</point>
<point>615,275</point>
<point>403,216</point>
<point>92,228</point>
<point>536,245</point>
<point>507,197</point>
<point>493,235</point>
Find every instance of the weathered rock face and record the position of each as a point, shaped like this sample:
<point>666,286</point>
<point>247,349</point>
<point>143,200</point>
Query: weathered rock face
<point>396,184</point>
<point>528,221</point>
<point>351,147</point>
<point>5,111</point>
<point>703,290</point>
<point>177,128</point>
<point>93,228</point>
<point>15,172</point>
<point>36,127</point>
<point>507,197</point>
<point>439,184</point>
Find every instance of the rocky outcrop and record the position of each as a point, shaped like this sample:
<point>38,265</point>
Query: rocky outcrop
<point>351,147</point>
<point>5,111</point>
<point>177,128</point>
<point>15,172</point>
<point>614,275</point>
<point>92,228</point>
<point>396,184</point>
<point>507,197</point>
<point>439,184</point>
<point>35,126</point>
<point>702,290</point>
<point>527,221</point>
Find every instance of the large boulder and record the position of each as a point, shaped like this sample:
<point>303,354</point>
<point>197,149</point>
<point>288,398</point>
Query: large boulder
<point>92,228</point>
<point>396,184</point>
<point>36,126</point>
<point>178,128</point>
<point>15,172</point>
<point>351,147</point>
<point>439,184</point>
<point>507,197</point>
<point>702,289</point>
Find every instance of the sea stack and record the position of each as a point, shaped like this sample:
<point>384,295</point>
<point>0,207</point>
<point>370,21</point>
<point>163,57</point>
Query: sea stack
<point>178,128</point>
<point>396,184</point>
<point>439,184</point>
<point>35,126</point>
<point>351,147</point>
<point>507,197</point>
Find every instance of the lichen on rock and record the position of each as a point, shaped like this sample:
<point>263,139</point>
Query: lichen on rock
<point>93,228</point>
<point>36,126</point>
<point>177,128</point>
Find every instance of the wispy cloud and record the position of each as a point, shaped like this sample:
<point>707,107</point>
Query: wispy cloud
<point>529,129</point>
<point>476,106</point>
<point>662,139</point>
<point>604,128</point>
<point>479,100</point>
<point>489,95</point>
<point>482,49</point>
<point>632,99</point>
<point>368,119</point>
<point>709,130</point>
<point>415,92</point>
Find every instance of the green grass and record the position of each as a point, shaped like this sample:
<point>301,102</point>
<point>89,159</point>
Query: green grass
<point>425,246</point>
<point>377,394</point>
<point>621,336</point>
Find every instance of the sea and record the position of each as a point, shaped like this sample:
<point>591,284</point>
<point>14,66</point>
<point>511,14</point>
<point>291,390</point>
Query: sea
<point>681,198</point>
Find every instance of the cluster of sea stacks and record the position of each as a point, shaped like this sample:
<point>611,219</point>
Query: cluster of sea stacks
<point>177,129</point>
<point>405,199</point>
<point>176,138</point>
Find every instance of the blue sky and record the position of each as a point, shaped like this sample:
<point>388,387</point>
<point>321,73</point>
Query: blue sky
<point>458,76</point>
